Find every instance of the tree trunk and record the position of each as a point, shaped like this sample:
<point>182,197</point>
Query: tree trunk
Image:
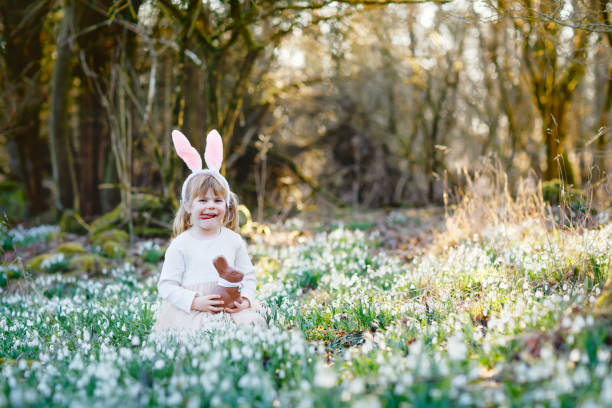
<point>193,124</point>
<point>213,92</point>
<point>602,140</point>
<point>61,152</point>
<point>554,134</point>
<point>93,141</point>
<point>22,54</point>
<point>234,103</point>
<point>110,197</point>
<point>95,44</point>
<point>552,82</point>
<point>59,138</point>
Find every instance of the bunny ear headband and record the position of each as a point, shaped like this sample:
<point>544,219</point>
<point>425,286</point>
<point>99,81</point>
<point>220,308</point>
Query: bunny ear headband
<point>213,155</point>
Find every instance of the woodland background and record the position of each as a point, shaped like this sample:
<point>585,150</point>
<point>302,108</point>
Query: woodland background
<point>329,103</point>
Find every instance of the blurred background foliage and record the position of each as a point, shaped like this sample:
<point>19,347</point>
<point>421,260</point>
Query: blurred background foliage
<point>365,104</point>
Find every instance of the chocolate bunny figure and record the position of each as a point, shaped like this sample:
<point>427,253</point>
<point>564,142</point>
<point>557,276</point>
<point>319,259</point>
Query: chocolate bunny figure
<point>230,282</point>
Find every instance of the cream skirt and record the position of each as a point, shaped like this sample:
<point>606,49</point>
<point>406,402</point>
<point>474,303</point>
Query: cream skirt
<point>170,317</point>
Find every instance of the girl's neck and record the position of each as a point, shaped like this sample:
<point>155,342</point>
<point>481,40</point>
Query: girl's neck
<point>202,234</point>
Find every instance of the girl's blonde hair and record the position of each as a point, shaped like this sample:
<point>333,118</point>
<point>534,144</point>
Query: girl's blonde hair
<point>198,186</point>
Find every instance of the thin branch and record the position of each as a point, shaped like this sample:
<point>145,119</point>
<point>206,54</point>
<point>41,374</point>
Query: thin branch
<point>236,25</point>
<point>201,37</point>
<point>536,15</point>
<point>295,168</point>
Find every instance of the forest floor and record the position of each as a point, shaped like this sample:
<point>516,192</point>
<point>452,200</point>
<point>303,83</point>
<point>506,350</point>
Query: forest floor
<point>379,308</point>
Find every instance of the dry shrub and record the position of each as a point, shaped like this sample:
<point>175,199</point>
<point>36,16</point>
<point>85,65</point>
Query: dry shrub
<point>486,200</point>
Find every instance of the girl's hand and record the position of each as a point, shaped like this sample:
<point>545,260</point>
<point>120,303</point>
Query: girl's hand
<point>208,303</point>
<point>239,305</point>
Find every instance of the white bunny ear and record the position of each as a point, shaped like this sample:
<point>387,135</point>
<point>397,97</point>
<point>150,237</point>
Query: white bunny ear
<point>213,154</point>
<point>188,153</point>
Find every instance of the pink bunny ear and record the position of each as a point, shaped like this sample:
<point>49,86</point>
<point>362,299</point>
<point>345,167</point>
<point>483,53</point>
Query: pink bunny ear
<point>183,148</point>
<point>213,154</point>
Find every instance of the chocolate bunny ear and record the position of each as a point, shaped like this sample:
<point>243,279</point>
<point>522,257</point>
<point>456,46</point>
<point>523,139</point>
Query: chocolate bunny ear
<point>188,153</point>
<point>213,154</point>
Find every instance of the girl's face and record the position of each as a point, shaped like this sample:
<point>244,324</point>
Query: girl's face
<point>208,212</point>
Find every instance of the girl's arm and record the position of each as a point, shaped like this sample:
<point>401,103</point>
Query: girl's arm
<point>169,285</point>
<point>243,264</point>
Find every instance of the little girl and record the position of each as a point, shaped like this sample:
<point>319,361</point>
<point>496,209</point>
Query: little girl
<point>204,228</point>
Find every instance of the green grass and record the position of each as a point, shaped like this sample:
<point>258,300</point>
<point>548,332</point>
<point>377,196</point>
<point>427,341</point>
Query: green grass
<point>504,319</point>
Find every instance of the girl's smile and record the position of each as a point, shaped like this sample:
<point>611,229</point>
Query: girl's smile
<point>207,213</point>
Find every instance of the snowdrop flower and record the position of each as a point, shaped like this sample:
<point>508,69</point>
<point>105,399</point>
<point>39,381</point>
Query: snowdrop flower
<point>574,355</point>
<point>369,401</point>
<point>324,376</point>
<point>606,391</point>
<point>581,376</point>
<point>456,348</point>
